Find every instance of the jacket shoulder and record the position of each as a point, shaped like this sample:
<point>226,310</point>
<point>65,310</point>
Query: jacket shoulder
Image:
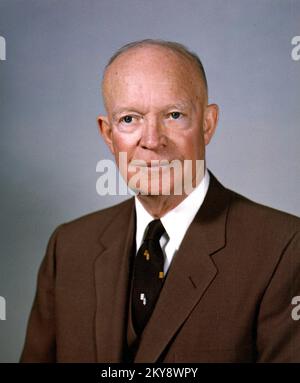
<point>92,224</point>
<point>262,217</point>
<point>246,213</point>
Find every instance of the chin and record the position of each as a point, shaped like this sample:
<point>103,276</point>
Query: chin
<point>157,187</point>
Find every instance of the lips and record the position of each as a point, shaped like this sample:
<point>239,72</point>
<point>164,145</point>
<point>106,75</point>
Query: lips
<point>155,163</point>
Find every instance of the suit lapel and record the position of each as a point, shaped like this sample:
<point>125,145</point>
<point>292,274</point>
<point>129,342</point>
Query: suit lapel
<point>191,272</point>
<point>112,274</point>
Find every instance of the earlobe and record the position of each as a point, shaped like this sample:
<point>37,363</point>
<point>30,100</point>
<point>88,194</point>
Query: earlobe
<point>210,122</point>
<point>106,131</point>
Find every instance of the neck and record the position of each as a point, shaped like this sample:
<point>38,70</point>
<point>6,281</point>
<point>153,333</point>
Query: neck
<point>159,205</point>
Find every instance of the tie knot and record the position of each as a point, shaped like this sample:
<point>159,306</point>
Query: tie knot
<point>155,230</point>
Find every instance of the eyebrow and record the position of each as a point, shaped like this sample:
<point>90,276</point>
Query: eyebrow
<point>178,105</point>
<point>124,109</point>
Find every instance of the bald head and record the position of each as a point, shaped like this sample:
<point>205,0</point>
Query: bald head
<point>154,57</point>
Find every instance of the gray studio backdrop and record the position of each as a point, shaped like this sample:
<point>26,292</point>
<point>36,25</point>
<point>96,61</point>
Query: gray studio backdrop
<point>50,98</point>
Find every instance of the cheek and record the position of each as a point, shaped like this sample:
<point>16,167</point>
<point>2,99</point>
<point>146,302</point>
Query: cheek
<point>190,145</point>
<point>124,142</point>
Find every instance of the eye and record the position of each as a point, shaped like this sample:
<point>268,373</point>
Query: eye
<point>127,119</point>
<point>175,115</point>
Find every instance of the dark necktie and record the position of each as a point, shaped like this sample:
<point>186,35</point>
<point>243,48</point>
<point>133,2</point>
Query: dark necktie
<point>148,276</point>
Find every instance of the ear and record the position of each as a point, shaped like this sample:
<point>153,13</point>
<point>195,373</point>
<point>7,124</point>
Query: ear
<point>211,117</point>
<point>106,131</point>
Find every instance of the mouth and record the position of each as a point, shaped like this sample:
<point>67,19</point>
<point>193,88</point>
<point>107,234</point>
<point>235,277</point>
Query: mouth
<point>153,164</point>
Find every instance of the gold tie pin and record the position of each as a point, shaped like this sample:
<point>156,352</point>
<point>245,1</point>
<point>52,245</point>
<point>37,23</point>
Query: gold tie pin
<point>161,274</point>
<point>147,255</point>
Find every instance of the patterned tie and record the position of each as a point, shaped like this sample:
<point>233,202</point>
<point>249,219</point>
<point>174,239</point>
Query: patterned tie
<point>148,276</point>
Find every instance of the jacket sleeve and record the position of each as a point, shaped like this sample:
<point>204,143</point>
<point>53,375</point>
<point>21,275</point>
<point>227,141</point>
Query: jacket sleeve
<point>278,330</point>
<point>40,345</point>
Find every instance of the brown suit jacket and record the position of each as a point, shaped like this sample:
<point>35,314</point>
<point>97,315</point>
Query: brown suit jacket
<point>227,296</point>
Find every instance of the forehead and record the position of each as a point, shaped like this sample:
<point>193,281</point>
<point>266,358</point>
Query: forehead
<point>151,72</point>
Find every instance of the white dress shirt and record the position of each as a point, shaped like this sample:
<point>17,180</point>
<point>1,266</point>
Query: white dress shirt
<point>176,221</point>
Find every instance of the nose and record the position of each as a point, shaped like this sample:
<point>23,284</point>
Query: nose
<point>153,135</point>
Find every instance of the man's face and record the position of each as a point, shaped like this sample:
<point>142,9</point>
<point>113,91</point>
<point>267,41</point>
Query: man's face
<point>156,110</point>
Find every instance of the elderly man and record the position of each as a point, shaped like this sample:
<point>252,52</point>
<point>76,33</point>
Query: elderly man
<point>204,275</point>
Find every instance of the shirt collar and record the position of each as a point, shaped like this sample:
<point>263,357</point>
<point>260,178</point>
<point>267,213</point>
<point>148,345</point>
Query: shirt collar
<point>183,213</point>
